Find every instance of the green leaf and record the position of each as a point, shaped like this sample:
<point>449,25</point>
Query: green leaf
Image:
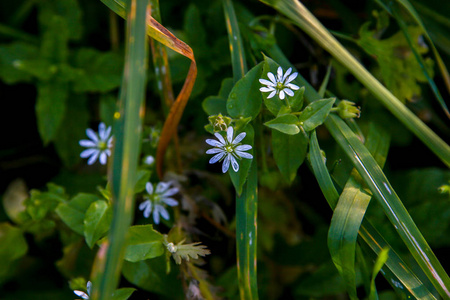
<point>289,152</point>
<point>98,71</point>
<point>122,294</point>
<point>143,243</point>
<point>286,124</point>
<point>72,129</point>
<point>50,108</point>
<point>143,176</point>
<point>151,276</point>
<point>54,46</point>
<point>11,58</point>
<point>41,203</point>
<point>188,251</point>
<point>315,113</point>
<point>399,68</point>
<point>97,221</point>
<point>67,9</point>
<point>72,213</point>
<point>296,102</point>
<point>107,108</point>
<point>214,105</point>
<point>245,99</point>
<point>12,246</point>
<point>239,178</point>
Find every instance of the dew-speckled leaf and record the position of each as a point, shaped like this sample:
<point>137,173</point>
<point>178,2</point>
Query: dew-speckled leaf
<point>289,152</point>
<point>245,98</point>
<point>315,113</point>
<point>97,221</point>
<point>143,243</point>
<point>286,124</point>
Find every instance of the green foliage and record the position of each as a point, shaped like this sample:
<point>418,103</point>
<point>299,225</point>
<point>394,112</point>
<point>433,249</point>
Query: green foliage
<point>97,221</point>
<point>143,243</point>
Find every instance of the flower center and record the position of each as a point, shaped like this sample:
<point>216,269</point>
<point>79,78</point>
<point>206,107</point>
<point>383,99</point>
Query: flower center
<point>102,145</point>
<point>229,149</point>
<point>280,86</point>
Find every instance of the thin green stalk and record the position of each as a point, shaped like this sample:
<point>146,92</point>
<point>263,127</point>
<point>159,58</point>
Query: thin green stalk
<point>298,13</point>
<point>122,174</point>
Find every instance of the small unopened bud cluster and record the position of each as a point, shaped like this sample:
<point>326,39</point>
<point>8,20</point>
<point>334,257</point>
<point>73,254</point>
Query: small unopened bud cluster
<point>347,109</point>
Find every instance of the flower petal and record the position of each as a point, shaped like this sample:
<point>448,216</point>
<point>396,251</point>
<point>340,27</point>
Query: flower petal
<point>170,192</point>
<point>146,206</point>
<point>149,188</point>
<point>93,158</point>
<point>108,152</point>
<point>239,138</point>
<point>105,134</point>
<point>286,74</point>
<point>110,141</point>
<point>281,95</point>
<point>162,187</point>
<point>243,147</point>
<point>288,91</point>
<point>101,129</point>
<point>292,77</point>
<point>214,151</point>
<point>81,294</point>
<point>92,135</point>
<point>272,78</point>
<point>103,158</point>
<point>271,94</point>
<point>163,212</point>
<point>220,138</point>
<point>87,143</point>
<point>88,152</point>
<point>292,86</point>
<point>170,201</point>
<point>214,143</point>
<point>230,132</point>
<point>217,157</point>
<point>234,164</point>
<point>156,214</point>
<point>267,82</point>
<point>244,154</point>
<point>226,163</point>
<point>279,74</point>
<point>266,89</point>
<point>89,287</point>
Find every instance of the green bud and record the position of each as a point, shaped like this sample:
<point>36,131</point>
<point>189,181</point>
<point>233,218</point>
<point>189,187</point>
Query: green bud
<point>219,122</point>
<point>347,109</point>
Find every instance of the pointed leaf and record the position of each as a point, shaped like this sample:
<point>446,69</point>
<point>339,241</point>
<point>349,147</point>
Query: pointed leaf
<point>97,221</point>
<point>315,113</point>
<point>285,124</point>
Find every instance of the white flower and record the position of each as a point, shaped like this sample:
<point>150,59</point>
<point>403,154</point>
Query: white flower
<point>82,294</point>
<point>228,150</point>
<point>280,85</point>
<point>149,160</point>
<point>99,144</point>
<point>156,199</point>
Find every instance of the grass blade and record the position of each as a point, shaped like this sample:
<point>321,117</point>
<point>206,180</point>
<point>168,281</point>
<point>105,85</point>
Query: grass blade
<point>122,174</point>
<point>396,271</point>
<point>350,211</point>
<point>304,19</point>
<point>238,61</point>
<point>246,228</point>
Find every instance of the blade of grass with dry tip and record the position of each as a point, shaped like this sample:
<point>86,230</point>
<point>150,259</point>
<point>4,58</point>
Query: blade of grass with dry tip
<point>298,13</point>
<point>392,8</point>
<point>165,37</point>
<point>247,202</point>
<point>122,174</point>
<point>238,61</point>
<point>350,211</point>
<point>396,271</point>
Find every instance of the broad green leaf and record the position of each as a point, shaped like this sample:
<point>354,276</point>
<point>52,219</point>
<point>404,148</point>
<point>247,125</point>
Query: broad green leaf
<point>285,124</point>
<point>97,71</point>
<point>72,213</point>
<point>151,276</point>
<point>122,294</point>
<point>143,243</point>
<point>54,45</point>
<point>97,221</point>
<point>296,102</point>
<point>72,129</point>
<point>41,203</point>
<point>50,108</point>
<point>67,9</point>
<point>245,99</point>
<point>12,246</point>
<point>214,105</point>
<point>238,178</point>
<point>11,58</point>
<point>315,113</point>
<point>289,152</point>
<point>399,68</point>
<point>40,68</point>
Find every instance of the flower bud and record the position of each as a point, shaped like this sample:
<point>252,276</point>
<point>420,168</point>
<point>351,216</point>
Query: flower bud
<point>219,122</point>
<point>347,109</point>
